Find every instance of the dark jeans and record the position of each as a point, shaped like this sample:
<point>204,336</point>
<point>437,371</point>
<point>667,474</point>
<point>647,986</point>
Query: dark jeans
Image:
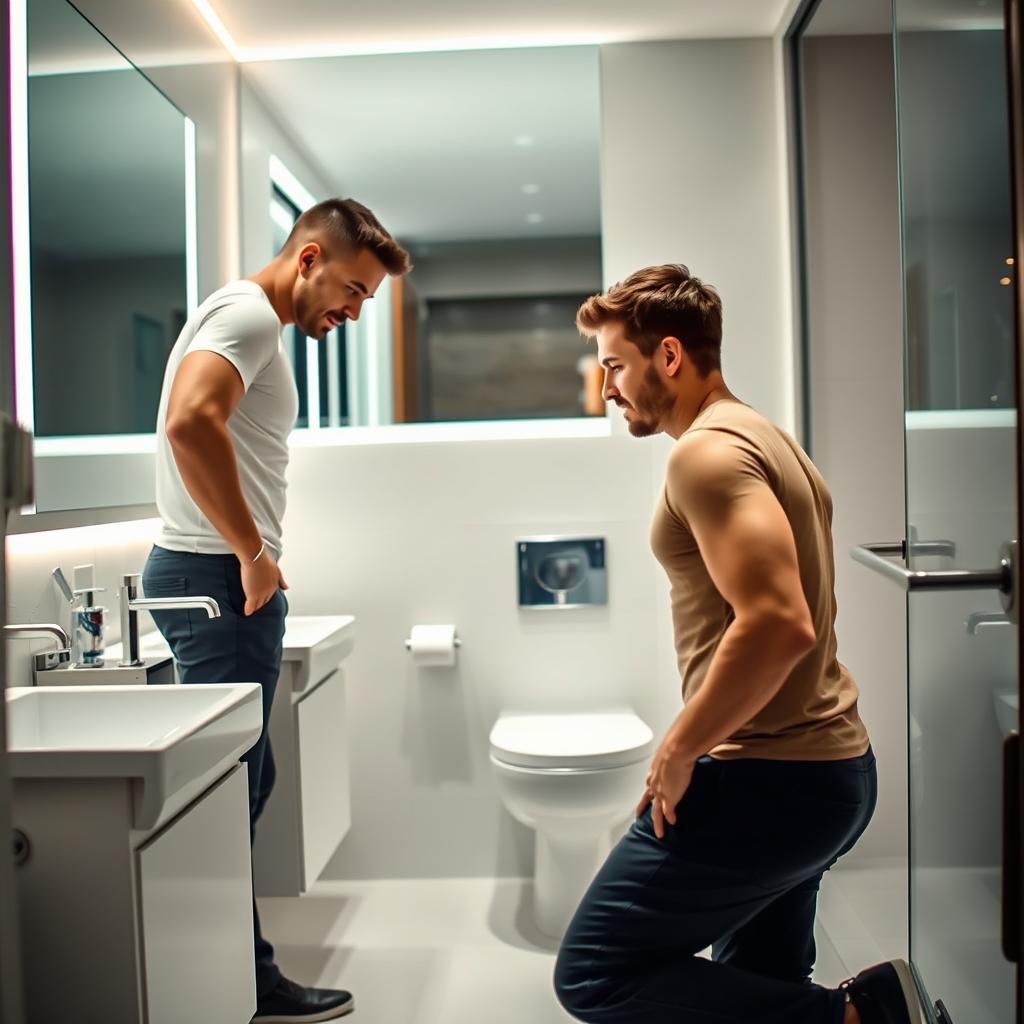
<point>231,649</point>
<point>738,872</point>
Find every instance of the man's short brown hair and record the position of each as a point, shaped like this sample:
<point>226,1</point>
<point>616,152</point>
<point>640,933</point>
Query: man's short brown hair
<point>661,302</point>
<point>343,225</point>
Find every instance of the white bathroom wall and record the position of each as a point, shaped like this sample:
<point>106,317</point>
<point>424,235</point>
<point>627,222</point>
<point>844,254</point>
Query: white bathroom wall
<point>262,135</point>
<point>398,534</point>
<point>855,398</point>
<point>690,169</point>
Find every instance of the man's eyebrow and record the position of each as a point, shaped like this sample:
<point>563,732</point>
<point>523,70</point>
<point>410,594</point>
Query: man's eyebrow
<point>362,287</point>
<point>608,360</point>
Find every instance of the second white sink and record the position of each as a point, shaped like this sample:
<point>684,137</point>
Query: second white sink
<point>316,644</point>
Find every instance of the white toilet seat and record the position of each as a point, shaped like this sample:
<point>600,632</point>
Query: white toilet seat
<point>610,739</point>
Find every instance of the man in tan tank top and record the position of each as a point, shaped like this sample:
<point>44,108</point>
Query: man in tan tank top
<point>766,776</point>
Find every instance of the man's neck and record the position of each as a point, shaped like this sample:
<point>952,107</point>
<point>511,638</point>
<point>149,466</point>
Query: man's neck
<point>277,291</point>
<point>685,412</point>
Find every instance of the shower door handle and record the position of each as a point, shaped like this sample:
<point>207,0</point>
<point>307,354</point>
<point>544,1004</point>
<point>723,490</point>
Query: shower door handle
<point>889,560</point>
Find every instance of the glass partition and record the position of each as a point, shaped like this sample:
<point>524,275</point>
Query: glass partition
<point>962,490</point>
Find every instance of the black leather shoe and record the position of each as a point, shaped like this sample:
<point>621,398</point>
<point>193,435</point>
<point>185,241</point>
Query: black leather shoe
<point>293,1004</point>
<point>886,994</point>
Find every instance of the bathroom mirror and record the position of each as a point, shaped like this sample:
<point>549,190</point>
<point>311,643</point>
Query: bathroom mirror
<point>485,165</point>
<point>103,278</point>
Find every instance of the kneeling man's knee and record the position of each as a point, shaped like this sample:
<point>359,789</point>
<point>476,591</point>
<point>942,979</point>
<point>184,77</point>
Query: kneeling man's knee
<point>578,985</point>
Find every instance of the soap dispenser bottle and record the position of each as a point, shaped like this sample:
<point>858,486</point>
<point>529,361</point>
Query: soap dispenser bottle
<point>87,620</point>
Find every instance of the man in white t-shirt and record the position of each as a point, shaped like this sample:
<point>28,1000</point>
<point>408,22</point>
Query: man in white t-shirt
<point>228,405</point>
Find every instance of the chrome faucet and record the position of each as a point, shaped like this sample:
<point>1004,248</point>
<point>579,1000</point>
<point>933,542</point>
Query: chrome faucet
<point>40,629</point>
<point>132,604</point>
<point>47,659</point>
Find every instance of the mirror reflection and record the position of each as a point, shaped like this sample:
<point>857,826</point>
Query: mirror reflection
<point>956,206</point>
<point>107,215</point>
<point>485,166</point>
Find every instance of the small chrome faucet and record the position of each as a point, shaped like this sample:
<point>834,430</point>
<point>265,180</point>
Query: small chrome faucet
<point>40,629</point>
<point>48,659</point>
<point>132,604</point>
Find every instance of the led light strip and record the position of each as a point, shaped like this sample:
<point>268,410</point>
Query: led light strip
<point>108,534</point>
<point>270,53</point>
<point>212,18</point>
<point>22,273</point>
<point>248,55</point>
<point>191,231</point>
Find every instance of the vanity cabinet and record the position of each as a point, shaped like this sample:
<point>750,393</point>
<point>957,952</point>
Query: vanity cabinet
<point>129,926</point>
<point>195,912</point>
<point>309,811</point>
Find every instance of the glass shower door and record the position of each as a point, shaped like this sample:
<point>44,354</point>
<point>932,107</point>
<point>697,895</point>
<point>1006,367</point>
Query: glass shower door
<point>962,491</point>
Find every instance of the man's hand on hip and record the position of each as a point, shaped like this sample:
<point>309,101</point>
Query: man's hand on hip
<point>667,783</point>
<point>260,582</point>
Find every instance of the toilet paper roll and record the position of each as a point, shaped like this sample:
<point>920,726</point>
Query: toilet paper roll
<point>432,646</point>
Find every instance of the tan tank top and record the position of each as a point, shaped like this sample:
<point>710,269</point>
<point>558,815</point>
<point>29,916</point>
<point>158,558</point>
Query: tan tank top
<point>814,715</point>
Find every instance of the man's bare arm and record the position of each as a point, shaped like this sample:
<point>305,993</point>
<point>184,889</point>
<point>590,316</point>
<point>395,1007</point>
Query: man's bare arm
<point>748,548</point>
<point>206,390</point>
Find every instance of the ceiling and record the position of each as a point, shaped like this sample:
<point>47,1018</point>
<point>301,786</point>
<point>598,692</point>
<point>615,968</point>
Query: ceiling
<point>265,28</point>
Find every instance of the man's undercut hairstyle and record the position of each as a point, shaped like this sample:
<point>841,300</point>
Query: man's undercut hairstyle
<point>341,226</point>
<point>661,302</point>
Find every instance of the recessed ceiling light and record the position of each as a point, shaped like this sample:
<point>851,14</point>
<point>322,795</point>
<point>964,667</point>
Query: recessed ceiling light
<point>523,140</point>
<point>534,218</point>
<point>531,190</point>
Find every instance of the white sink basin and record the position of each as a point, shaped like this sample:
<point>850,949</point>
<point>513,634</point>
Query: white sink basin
<point>172,741</point>
<point>316,644</point>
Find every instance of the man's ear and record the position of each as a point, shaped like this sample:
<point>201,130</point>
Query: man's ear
<point>671,349</point>
<point>308,255</point>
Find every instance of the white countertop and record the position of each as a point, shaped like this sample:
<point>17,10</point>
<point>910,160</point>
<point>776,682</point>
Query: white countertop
<point>316,644</point>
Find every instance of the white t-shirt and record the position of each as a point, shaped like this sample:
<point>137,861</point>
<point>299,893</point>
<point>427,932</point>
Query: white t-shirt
<point>238,323</point>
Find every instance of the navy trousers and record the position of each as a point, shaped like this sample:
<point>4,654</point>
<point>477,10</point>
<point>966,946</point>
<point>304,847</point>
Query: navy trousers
<point>231,649</point>
<point>738,872</point>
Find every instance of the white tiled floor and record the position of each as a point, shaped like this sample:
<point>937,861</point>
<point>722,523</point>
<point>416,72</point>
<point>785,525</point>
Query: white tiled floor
<point>863,908</point>
<point>435,951</point>
<point>460,951</point>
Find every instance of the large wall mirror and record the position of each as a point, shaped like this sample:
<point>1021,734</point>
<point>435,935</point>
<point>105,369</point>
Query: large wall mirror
<point>485,165</point>
<point>103,268</point>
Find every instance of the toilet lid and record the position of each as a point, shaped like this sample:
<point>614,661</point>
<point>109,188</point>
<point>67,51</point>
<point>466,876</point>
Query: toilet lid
<point>592,740</point>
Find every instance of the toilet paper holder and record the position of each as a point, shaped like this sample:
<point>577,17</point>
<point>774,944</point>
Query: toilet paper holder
<point>408,643</point>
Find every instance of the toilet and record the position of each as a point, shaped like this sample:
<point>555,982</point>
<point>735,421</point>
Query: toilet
<point>572,778</point>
